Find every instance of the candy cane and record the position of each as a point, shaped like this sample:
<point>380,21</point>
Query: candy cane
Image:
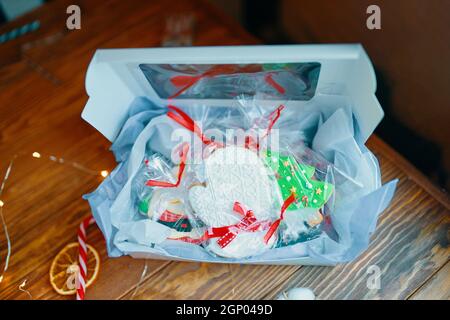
<point>82,256</point>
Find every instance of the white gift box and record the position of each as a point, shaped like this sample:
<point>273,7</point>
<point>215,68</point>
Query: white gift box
<point>114,80</point>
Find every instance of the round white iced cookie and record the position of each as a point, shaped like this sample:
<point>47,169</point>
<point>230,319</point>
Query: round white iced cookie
<point>232,174</point>
<point>245,244</point>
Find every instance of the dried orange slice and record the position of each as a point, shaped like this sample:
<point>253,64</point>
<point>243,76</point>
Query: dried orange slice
<point>64,269</point>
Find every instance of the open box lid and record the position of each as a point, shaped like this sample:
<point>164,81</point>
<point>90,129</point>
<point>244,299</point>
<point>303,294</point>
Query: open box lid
<point>115,78</point>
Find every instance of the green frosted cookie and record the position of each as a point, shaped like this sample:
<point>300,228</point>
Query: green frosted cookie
<point>296,178</point>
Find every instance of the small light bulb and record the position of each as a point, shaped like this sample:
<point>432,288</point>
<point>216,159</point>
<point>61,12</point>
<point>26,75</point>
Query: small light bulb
<point>1,203</point>
<point>36,155</point>
<point>22,285</point>
<point>1,278</point>
<point>104,173</point>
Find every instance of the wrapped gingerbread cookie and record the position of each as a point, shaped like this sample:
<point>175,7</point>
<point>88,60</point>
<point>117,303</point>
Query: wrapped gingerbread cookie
<point>160,188</point>
<point>236,201</point>
<point>304,217</point>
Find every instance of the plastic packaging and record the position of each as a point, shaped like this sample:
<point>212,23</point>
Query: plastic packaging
<point>239,196</point>
<point>249,182</point>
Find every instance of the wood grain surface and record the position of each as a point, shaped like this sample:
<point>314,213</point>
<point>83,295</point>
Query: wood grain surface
<point>438,287</point>
<point>41,98</point>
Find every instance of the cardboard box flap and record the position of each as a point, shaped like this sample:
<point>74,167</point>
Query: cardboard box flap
<point>116,76</point>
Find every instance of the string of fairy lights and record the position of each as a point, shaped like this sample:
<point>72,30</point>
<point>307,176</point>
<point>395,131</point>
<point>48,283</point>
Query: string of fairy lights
<point>6,176</point>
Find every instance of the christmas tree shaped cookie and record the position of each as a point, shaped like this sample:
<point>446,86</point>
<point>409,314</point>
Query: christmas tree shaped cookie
<point>297,178</point>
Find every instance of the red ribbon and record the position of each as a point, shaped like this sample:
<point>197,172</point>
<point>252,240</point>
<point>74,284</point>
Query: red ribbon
<point>226,234</point>
<point>177,115</point>
<point>269,79</point>
<point>188,239</point>
<point>273,117</point>
<point>277,222</point>
<point>188,81</point>
<point>180,117</point>
<point>169,216</point>
<point>251,143</point>
<point>183,157</point>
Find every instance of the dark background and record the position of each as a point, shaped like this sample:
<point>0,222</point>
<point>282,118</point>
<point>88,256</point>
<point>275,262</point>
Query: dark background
<point>411,55</point>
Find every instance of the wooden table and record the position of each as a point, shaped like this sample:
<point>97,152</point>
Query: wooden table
<point>41,97</point>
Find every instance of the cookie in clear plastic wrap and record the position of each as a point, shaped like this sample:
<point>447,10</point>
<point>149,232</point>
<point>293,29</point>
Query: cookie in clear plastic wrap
<point>168,209</point>
<point>304,216</point>
<point>161,196</point>
<point>235,178</point>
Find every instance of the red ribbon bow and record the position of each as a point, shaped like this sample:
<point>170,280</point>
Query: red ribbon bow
<point>187,81</point>
<point>180,117</point>
<point>249,223</point>
<point>277,222</point>
<point>183,158</point>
